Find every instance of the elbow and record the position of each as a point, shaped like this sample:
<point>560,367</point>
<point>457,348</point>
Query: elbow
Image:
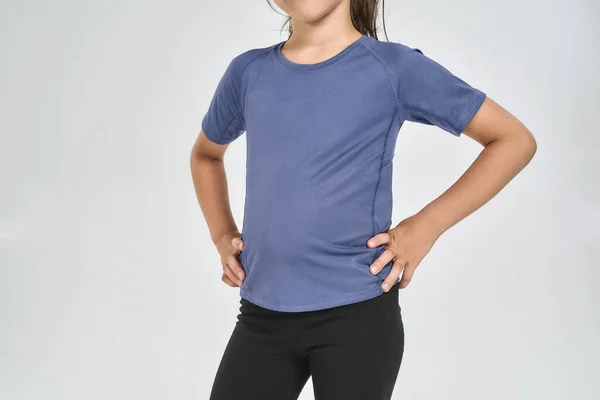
<point>521,144</point>
<point>529,145</point>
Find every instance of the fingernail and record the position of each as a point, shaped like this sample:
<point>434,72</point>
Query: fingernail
<point>240,246</point>
<point>240,275</point>
<point>370,243</point>
<point>385,286</point>
<point>373,269</point>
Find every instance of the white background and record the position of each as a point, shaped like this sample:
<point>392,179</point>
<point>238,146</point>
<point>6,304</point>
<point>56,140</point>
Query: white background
<point>110,286</point>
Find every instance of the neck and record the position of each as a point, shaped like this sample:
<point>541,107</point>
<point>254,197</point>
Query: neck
<point>334,28</point>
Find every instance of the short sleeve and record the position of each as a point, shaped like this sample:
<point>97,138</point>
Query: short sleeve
<point>223,122</point>
<point>429,93</point>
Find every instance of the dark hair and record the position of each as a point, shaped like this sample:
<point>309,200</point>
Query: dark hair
<point>362,12</point>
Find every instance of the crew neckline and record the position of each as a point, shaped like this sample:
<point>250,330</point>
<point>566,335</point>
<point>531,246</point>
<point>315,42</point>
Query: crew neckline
<point>291,64</point>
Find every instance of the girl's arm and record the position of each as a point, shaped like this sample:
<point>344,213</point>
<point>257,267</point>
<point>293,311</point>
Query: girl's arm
<point>210,184</point>
<point>508,148</point>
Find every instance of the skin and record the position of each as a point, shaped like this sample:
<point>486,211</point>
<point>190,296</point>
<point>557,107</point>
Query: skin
<point>321,30</point>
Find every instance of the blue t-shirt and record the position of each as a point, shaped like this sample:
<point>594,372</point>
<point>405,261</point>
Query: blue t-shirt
<point>320,144</point>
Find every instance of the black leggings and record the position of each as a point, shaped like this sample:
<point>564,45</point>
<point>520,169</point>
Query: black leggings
<point>352,352</point>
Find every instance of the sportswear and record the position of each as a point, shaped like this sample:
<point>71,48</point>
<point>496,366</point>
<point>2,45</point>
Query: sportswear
<point>320,144</point>
<point>350,352</point>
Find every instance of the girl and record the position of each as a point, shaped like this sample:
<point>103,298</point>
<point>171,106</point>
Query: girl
<point>318,263</point>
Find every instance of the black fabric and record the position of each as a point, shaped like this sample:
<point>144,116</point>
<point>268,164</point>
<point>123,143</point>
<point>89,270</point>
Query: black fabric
<point>352,352</point>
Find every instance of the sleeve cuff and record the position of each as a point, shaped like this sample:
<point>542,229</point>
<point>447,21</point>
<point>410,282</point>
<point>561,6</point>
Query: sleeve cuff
<point>469,111</point>
<point>211,133</point>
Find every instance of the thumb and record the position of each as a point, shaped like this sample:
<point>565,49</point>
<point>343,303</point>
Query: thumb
<point>237,243</point>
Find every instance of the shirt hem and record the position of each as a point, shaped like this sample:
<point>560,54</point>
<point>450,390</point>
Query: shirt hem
<point>328,302</point>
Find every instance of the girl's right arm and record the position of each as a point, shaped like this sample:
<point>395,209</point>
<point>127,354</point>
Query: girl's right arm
<point>210,184</point>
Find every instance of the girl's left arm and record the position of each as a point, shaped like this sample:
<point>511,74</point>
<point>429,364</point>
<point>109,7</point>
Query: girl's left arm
<point>508,146</point>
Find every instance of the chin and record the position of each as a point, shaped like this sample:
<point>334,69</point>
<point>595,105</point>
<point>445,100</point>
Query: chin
<point>307,10</point>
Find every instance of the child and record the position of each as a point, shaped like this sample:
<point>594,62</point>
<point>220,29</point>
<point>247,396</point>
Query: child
<point>318,263</point>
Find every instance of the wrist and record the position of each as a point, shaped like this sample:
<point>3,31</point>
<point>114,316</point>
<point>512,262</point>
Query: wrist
<point>432,222</point>
<point>226,235</point>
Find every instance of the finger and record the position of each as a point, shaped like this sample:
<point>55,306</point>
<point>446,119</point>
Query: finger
<point>378,240</point>
<point>407,275</point>
<point>229,272</point>
<point>392,276</point>
<point>237,243</point>
<point>227,280</point>
<point>235,266</point>
<point>383,259</point>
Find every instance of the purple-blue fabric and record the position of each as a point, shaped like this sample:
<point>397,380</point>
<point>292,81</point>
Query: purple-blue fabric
<point>320,144</point>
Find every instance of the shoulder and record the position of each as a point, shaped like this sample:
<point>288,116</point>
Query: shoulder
<point>242,61</point>
<point>391,53</point>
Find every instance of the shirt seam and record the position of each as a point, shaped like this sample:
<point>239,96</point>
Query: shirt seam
<point>249,89</point>
<point>393,87</point>
<point>382,163</point>
<point>383,160</point>
<point>243,100</point>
